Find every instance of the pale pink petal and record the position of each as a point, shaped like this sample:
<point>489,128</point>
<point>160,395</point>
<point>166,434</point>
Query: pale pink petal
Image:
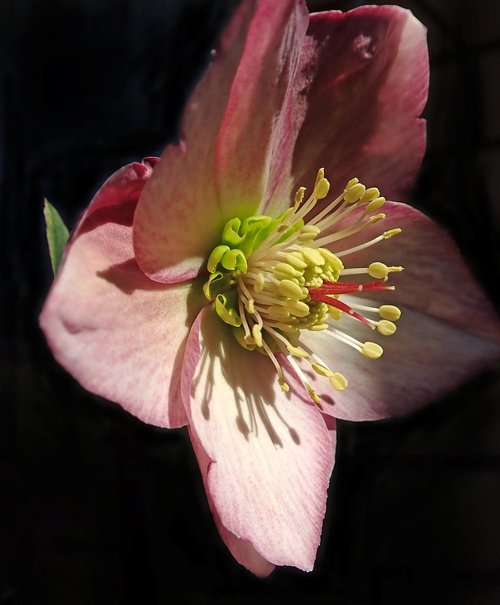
<point>422,361</point>
<point>368,77</point>
<point>258,132</point>
<point>117,332</point>
<point>271,454</point>
<point>122,189</point>
<point>242,550</point>
<point>435,280</point>
<point>222,166</point>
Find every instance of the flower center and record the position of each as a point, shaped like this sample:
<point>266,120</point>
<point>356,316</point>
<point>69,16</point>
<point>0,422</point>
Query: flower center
<point>273,278</point>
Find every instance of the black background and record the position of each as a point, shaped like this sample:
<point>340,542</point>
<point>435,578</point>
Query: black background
<point>99,508</point>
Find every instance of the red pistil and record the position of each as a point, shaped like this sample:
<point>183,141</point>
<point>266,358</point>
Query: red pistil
<point>327,290</point>
<point>338,304</point>
<point>338,287</point>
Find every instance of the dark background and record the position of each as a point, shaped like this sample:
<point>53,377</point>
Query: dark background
<point>99,508</point>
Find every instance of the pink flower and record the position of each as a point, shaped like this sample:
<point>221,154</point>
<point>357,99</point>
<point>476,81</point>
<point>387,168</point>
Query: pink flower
<point>199,291</point>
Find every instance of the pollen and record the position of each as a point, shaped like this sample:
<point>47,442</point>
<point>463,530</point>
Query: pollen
<point>275,279</point>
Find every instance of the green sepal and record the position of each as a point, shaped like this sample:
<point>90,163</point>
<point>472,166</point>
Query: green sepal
<point>57,234</point>
<point>216,284</point>
<point>224,308</point>
<point>256,230</point>
<point>230,233</point>
<point>215,256</point>
<point>234,259</point>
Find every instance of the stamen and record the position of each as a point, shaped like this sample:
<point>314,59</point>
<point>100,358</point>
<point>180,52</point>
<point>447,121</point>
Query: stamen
<point>376,240</point>
<point>389,312</point>
<point>357,226</point>
<point>342,306</point>
<point>372,350</point>
<point>302,377</point>
<point>385,327</point>
<point>272,278</point>
<point>377,270</point>
<point>281,378</point>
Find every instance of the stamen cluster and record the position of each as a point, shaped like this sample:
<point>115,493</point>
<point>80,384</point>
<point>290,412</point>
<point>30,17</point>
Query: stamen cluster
<point>272,278</point>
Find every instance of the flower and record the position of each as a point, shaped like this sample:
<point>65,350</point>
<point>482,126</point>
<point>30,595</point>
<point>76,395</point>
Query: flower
<point>208,290</point>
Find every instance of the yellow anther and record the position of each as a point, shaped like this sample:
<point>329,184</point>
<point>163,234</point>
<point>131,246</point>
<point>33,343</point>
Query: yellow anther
<point>284,385</point>
<point>338,381</point>
<point>239,334</point>
<point>395,269</point>
<point>257,334</point>
<point>259,282</point>
<point>374,205</point>
<point>378,270</point>
<point>285,269</point>
<point>299,197</point>
<point>297,351</point>
<point>354,193</point>
<point>278,313</point>
<point>287,327</point>
<point>308,233</point>
<point>386,328</point>
<point>334,313</point>
<point>334,261</point>
<point>296,260</point>
<point>320,175</point>
<point>391,233</point>
<point>250,306</point>
<point>313,257</point>
<point>289,288</point>
<point>311,229</point>
<point>372,350</point>
<point>389,312</point>
<point>352,182</point>
<point>318,327</point>
<point>370,194</point>
<point>376,218</point>
<point>313,395</point>
<point>322,370</point>
<point>297,308</point>
<point>321,189</point>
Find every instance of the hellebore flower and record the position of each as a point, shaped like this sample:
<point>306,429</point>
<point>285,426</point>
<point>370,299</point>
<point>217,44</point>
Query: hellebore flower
<point>208,289</point>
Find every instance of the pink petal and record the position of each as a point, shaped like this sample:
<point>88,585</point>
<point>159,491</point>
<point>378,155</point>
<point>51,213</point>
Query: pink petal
<point>123,187</point>
<point>242,550</point>
<point>435,280</point>
<point>222,165</point>
<point>258,131</point>
<point>422,361</point>
<point>368,73</point>
<point>118,333</point>
<point>268,485</point>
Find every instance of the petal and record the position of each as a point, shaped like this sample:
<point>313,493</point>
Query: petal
<point>242,550</point>
<point>270,454</point>
<point>366,74</point>
<point>222,165</point>
<point>122,188</point>
<point>435,280</point>
<point>422,361</point>
<point>117,332</point>
<point>257,135</point>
